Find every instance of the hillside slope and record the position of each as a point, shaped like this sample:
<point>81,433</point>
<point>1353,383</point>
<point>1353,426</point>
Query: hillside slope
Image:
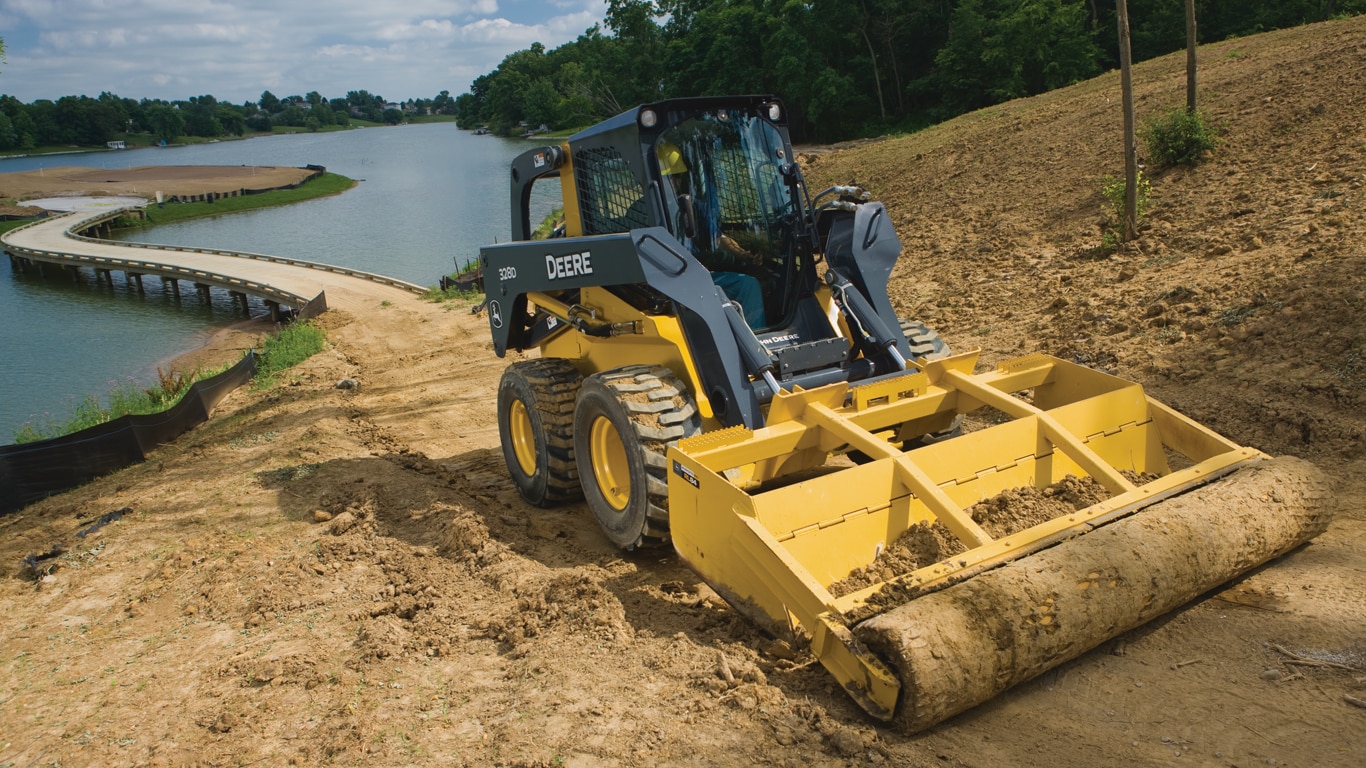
<point>328,576</point>
<point>1239,302</point>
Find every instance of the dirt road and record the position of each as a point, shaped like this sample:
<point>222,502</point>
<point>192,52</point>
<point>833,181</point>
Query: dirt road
<point>327,576</point>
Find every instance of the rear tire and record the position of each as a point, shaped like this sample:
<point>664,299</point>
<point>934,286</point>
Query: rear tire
<point>624,422</point>
<point>535,426</point>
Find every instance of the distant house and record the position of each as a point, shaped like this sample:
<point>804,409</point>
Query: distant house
<point>116,145</point>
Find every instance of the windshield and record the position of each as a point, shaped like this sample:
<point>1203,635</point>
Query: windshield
<point>726,167</point>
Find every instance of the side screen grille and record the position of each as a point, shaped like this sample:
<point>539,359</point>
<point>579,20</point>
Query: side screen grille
<point>610,198</point>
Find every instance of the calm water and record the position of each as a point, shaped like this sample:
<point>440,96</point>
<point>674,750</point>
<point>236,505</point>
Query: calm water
<point>429,194</point>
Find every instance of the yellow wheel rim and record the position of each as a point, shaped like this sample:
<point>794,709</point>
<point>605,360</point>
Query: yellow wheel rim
<point>523,437</point>
<point>610,466</point>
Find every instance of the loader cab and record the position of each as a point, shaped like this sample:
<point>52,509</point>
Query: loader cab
<point>731,193</point>
<point>718,173</point>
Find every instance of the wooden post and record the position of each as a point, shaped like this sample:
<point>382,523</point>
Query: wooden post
<point>241,298</point>
<point>1190,56</point>
<point>203,289</point>
<point>136,277</point>
<point>1126,65</point>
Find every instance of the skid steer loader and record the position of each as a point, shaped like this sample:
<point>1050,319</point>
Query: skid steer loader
<point>720,367</point>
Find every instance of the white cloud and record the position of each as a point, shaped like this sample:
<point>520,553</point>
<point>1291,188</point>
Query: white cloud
<point>234,50</point>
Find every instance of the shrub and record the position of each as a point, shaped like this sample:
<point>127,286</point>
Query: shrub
<point>1112,216</point>
<point>295,343</point>
<point>125,397</point>
<point>1179,137</point>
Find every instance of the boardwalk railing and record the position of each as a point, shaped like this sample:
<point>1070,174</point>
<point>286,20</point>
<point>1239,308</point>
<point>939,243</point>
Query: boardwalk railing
<point>266,291</point>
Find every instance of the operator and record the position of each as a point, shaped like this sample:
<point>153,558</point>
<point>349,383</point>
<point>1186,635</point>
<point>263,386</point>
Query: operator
<point>717,251</point>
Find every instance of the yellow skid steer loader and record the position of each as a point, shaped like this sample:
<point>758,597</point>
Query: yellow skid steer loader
<point>721,368</point>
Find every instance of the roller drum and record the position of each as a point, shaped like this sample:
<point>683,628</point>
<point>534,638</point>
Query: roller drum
<point>959,647</point>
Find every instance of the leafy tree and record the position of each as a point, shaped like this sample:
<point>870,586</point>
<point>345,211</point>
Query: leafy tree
<point>231,120</point>
<point>9,137</point>
<point>292,115</point>
<point>370,106</point>
<point>1004,49</point>
<point>270,103</point>
<point>201,116</point>
<point>540,103</point>
<point>166,122</point>
<point>392,116</point>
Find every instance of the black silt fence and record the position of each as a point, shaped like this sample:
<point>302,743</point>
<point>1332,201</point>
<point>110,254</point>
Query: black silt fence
<point>32,471</point>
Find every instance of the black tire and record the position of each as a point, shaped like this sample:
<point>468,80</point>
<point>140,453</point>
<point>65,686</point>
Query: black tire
<point>535,426</point>
<point>624,421</point>
<point>925,342</point>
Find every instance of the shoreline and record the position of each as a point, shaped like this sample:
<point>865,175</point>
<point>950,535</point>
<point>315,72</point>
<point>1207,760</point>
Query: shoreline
<point>222,346</point>
<point>227,340</point>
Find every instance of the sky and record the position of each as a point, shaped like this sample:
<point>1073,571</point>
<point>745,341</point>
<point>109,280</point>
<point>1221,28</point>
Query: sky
<point>236,49</point>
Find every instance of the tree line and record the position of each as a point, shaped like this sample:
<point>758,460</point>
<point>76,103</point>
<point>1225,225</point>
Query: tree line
<point>82,120</point>
<point>846,68</point>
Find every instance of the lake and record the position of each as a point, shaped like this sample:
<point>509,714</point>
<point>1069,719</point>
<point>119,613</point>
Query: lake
<point>429,195</point>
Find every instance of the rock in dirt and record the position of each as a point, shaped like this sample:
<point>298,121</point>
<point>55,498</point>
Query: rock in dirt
<point>342,523</point>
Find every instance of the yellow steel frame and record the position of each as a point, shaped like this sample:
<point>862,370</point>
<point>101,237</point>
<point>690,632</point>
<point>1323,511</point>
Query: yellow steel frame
<point>775,548</point>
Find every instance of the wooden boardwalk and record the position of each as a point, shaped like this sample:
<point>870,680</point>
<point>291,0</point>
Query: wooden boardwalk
<point>280,282</point>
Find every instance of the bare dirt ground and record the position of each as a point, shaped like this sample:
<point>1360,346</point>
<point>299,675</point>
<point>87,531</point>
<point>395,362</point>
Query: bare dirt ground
<point>146,181</point>
<point>327,576</point>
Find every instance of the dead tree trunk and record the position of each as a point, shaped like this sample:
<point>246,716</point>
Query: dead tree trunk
<point>1190,56</point>
<point>1126,81</point>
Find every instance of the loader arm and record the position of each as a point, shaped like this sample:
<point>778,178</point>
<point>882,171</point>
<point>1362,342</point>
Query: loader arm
<point>650,257</point>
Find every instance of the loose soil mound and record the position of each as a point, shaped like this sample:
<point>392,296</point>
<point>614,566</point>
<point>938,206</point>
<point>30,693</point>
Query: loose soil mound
<point>323,576</point>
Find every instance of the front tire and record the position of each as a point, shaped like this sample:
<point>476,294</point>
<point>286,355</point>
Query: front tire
<point>926,344</point>
<point>624,422</point>
<point>924,341</point>
<point>535,423</point>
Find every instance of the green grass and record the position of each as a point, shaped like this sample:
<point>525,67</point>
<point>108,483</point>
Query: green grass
<point>324,185</point>
<point>127,397</point>
<point>294,344</point>
<point>6,226</point>
<point>281,129</point>
<point>435,294</point>
<point>548,224</point>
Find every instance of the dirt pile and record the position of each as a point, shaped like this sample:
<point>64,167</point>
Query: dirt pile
<point>170,180</point>
<point>324,575</point>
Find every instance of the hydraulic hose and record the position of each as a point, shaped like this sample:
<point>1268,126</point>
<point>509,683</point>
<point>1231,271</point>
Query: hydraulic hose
<point>869,330</point>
